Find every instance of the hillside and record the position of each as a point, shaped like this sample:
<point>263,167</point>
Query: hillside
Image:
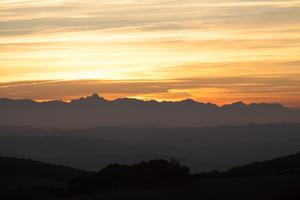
<point>283,165</point>
<point>30,168</point>
<point>273,180</point>
<point>29,179</point>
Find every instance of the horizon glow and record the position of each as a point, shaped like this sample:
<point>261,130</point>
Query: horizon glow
<point>207,50</point>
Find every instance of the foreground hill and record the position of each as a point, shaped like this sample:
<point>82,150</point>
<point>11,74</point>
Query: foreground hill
<point>245,188</point>
<point>267,180</point>
<point>28,179</point>
<point>274,179</point>
<point>278,166</point>
<point>95,111</point>
<point>29,168</point>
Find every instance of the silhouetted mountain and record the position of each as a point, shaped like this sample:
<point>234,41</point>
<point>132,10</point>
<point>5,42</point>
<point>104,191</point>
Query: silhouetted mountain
<point>202,149</point>
<point>96,111</point>
<point>92,100</point>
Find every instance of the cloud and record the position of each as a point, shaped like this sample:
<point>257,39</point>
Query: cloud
<point>221,90</point>
<point>210,50</point>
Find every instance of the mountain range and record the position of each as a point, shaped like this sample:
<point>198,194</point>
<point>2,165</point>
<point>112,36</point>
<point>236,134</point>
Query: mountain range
<point>95,111</point>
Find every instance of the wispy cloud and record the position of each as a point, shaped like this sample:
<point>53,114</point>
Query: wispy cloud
<point>216,85</point>
<point>254,42</point>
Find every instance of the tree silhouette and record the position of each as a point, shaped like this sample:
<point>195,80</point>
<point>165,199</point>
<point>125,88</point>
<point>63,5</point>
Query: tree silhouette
<point>154,172</point>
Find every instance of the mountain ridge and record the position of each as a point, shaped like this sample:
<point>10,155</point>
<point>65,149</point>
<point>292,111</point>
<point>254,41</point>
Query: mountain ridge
<point>95,98</point>
<point>95,111</point>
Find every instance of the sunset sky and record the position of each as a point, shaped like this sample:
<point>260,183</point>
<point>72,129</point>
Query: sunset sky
<point>218,51</point>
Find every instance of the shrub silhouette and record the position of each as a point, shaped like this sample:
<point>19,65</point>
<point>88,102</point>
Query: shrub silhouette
<point>154,172</point>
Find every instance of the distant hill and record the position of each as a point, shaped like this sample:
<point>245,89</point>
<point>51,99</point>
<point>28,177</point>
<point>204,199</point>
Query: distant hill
<point>96,111</point>
<point>202,149</point>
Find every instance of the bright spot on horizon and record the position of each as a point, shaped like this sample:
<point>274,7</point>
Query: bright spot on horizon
<point>208,50</point>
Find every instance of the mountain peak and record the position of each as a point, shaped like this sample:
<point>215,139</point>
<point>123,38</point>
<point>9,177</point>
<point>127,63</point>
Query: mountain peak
<point>189,101</point>
<point>236,105</point>
<point>94,98</point>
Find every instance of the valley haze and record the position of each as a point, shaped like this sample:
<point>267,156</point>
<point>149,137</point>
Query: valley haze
<point>202,149</point>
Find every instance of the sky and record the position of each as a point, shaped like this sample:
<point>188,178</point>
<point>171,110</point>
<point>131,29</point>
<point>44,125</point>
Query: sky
<point>218,51</point>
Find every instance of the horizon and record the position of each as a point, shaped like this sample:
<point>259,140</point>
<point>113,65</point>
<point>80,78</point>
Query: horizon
<point>210,51</point>
<point>113,98</point>
<point>149,100</point>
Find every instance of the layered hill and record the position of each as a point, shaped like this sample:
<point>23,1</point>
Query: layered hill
<point>202,149</point>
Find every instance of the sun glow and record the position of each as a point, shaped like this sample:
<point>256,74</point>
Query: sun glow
<point>218,51</point>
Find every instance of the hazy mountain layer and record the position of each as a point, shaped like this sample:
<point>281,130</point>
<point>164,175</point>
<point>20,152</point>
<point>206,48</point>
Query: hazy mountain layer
<point>96,111</point>
<point>200,148</point>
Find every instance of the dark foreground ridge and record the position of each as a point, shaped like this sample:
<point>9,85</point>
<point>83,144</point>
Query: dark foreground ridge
<point>277,166</point>
<point>28,168</point>
<point>95,111</point>
<point>268,180</point>
<point>29,179</point>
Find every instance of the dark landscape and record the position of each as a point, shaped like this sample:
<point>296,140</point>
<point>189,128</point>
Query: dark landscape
<point>274,179</point>
<point>149,100</point>
<point>184,161</point>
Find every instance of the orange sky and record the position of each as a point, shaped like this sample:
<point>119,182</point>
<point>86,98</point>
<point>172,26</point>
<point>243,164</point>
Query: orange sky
<point>209,50</point>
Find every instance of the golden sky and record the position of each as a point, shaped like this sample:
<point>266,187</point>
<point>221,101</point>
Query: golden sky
<point>218,51</point>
